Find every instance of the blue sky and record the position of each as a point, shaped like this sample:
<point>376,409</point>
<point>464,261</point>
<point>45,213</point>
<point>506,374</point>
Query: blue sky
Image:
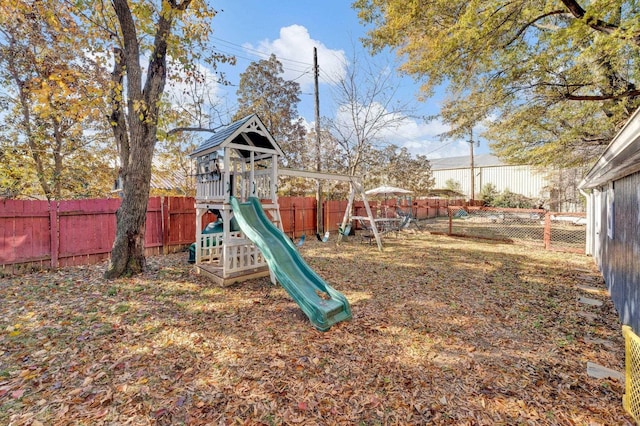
<point>251,30</point>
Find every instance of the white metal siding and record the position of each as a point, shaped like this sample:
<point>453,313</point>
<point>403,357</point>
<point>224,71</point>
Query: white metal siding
<point>522,180</point>
<point>462,176</point>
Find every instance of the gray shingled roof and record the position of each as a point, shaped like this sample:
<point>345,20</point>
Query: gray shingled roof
<point>463,162</point>
<point>223,134</point>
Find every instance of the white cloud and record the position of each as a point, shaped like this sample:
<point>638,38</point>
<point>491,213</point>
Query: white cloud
<point>419,137</point>
<point>423,138</point>
<point>294,49</point>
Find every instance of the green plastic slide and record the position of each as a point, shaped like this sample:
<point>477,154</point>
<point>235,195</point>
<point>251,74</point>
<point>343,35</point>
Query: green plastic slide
<point>323,305</point>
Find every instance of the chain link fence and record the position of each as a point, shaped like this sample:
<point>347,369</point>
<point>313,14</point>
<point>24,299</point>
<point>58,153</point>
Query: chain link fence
<point>550,230</point>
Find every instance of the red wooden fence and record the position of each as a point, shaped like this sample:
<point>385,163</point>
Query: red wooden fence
<point>333,214</point>
<point>86,230</point>
<point>298,215</point>
<point>24,231</point>
<point>37,234</point>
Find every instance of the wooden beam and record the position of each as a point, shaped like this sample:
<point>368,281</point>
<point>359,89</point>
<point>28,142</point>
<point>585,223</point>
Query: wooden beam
<point>347,213</point>
<point>252,148</point>
<point>317,175</point>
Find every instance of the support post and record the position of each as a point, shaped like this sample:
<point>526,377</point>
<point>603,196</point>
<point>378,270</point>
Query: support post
<point>347,211</point>
<point>547,230</point>
<point>372,220</point>
<point>199,214</point>
<point>319,223</point>
<point>355,186</point>
<point>227,174</point>
<point>473,177</point>
<point>274,179</point>
<point>243,187</point>
<point>252,175</point>
<point>54,229</point>
<point>226,237</point>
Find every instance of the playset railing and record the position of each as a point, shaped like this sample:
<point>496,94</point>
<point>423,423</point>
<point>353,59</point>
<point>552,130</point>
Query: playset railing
<point>212,187</point>
<point>237,255</point>
<point>241,255</point>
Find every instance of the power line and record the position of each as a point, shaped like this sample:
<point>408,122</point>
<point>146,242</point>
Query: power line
<point>288,68</point>
<point>254,53</point>
<point>413,140</point>
<point>306,72</point>
<point>439,148</point>
<point>329,78</point>
<point>259,52</point>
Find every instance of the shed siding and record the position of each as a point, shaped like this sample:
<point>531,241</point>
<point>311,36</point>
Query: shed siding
<point>618,257</point>
<point>519,179</point>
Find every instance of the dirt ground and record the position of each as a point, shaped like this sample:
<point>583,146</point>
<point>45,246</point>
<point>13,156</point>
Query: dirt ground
<point>444,331</point>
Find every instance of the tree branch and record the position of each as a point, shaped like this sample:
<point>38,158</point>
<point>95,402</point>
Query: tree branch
<point>117,115</point>
<point>532,22</point>
<point>627,94</point>
<point>597,24</point>
<point>191,129</point>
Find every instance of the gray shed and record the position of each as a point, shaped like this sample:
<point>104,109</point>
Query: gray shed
<point>612,188</point>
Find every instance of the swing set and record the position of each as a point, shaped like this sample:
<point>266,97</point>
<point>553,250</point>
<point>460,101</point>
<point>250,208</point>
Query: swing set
<point>355,190</point>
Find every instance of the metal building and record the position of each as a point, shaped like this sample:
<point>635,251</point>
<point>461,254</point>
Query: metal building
<point>524,180</point>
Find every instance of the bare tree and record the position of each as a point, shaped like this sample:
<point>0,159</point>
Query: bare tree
<point>367,106</point>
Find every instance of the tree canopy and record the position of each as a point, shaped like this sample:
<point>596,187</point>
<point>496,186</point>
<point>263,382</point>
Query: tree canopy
<point>263,90</point>
<point>405,171</point>
<point>551,81</point>
<point>54,104</point>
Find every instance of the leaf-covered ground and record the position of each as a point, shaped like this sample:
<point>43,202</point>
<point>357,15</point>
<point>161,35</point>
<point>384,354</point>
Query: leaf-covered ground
<point>444,331</point>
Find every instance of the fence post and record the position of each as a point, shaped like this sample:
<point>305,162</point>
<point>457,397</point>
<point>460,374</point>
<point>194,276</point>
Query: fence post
<point>547,230</point>
<point>164,222</point>
<point>450,220</point>
<point>53,233</point>
<point>293,219</point>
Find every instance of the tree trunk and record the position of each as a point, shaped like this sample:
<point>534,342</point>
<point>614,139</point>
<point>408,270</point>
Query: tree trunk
<point>127,254</point>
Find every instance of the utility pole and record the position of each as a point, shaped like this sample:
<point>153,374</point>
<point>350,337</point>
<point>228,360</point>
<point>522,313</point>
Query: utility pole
<point>316,72</point>
<point>473,180</point>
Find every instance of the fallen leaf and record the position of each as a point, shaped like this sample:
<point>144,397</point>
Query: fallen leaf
<point>4,390</point>
<point>159,413</point>
<point>75,392</point>
<point>503,342</point>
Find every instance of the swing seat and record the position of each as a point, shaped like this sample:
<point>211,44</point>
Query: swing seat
<point>323,239</point>
<point>346,231</point>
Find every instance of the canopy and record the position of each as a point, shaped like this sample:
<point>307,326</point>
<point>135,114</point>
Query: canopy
<point>387,191</point>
